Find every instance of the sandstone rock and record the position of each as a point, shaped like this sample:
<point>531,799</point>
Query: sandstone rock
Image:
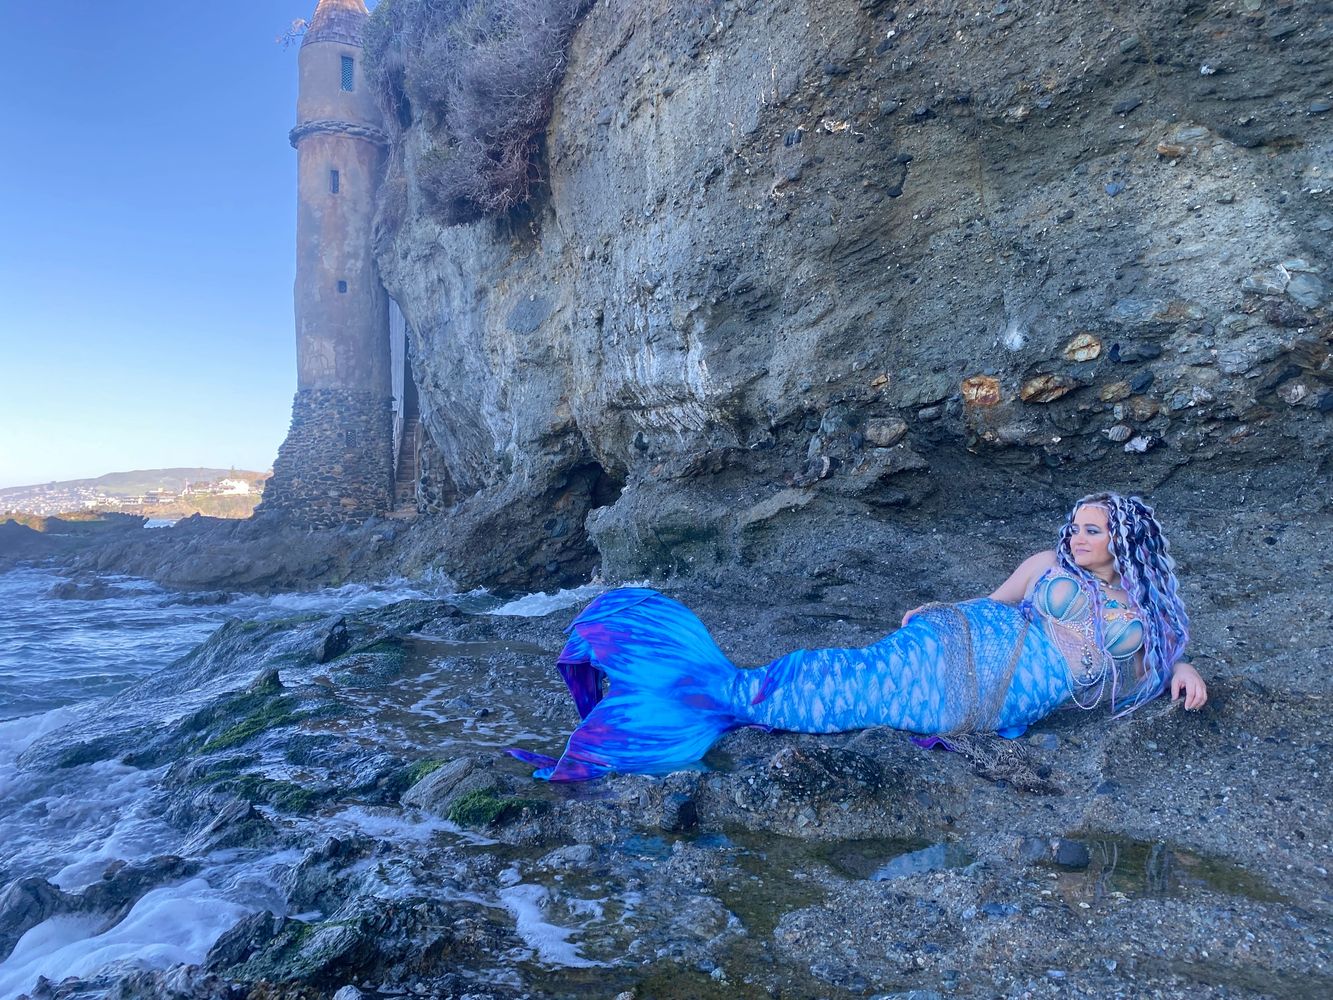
<point>981,390</point>
<point>1046,388</point>
<point>1083,347</point>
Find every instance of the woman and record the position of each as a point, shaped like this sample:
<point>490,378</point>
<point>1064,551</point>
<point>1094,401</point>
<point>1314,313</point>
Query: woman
<point>1096,621</point>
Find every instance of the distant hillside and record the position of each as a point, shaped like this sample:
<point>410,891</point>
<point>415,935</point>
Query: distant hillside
<point>142,480</point>
<point>164,493</point>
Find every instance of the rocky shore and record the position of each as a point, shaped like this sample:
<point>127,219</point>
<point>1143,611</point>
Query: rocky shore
<point>826,310</point>
<point>1169,854</point>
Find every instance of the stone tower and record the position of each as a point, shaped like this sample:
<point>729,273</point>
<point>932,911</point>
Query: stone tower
<point>336,463</point>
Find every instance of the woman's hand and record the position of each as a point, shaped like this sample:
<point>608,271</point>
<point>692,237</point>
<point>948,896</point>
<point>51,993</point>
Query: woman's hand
<point>1185,680</point>
<point>908,617</point>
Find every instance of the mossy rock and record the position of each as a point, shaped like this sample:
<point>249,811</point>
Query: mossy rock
<point>271,714</point>
<point>287,796</point>
<point>485,808</point>
<point>411,775</point>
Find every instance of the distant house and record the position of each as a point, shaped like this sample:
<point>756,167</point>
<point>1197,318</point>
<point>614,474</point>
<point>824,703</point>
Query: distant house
<point>234,487</point>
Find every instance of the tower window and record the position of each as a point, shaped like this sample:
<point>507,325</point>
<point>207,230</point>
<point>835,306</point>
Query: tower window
<point>348,64</point>
<point>342,288</point>
<point>333,182</point>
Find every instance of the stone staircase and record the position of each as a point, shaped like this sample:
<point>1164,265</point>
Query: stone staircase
<point>405,476</point>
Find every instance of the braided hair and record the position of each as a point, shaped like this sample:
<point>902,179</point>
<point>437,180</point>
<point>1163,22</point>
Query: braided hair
<point>1142,557</point>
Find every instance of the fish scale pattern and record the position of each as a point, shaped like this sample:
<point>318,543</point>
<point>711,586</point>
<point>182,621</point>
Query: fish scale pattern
<point>975,666</point>
<point>654,691</point>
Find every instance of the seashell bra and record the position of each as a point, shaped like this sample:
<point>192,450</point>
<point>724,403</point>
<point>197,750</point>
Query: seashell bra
<point>1060,598</point>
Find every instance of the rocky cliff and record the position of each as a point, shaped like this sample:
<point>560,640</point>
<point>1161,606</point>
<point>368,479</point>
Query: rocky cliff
<point>804,268</point>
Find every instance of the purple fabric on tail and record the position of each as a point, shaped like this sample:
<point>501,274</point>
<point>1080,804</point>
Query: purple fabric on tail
<point>581,677</point>
<point>931,742</point>
<point>528,757</point>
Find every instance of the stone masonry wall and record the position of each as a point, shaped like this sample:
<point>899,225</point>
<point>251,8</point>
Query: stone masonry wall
<point>334,466</point>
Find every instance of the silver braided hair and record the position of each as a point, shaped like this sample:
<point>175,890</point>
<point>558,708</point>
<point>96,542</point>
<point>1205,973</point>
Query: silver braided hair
<point>1147,572</point>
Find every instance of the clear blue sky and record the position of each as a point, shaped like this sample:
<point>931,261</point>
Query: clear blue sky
<point>147,243</point>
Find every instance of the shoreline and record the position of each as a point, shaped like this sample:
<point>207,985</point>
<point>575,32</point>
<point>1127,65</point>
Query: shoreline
<point>752,875</point>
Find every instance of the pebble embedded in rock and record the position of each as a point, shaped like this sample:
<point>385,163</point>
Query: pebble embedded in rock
<point>1127,105</point>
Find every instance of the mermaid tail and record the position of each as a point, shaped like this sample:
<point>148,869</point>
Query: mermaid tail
<point>975,666</point>
<point>669,688</point>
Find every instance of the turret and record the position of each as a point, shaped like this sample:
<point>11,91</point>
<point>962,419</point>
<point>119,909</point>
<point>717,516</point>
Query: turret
<point>336,464</point>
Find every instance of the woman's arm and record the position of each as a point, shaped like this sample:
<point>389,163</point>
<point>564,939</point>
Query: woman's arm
<point>1014,588</point>
<point>1186,681</point>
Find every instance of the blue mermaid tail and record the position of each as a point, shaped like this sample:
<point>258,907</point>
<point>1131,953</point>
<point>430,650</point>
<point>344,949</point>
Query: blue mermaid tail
<point>654,691</point>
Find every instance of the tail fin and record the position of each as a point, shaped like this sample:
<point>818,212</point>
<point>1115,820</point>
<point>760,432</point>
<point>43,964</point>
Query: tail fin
<point>669,688</point>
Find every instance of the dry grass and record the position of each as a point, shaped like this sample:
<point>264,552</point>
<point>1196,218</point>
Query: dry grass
<point>481,75</point>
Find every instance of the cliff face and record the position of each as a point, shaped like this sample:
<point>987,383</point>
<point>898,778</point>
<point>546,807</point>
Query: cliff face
<point>804,269</point>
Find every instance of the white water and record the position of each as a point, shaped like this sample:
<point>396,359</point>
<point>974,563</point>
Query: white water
<point>58,660</point>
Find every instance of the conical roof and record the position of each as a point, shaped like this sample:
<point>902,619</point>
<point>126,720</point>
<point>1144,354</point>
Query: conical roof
<point>337,21</point>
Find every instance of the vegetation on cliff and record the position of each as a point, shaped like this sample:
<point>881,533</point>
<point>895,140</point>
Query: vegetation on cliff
<point>484,72</point>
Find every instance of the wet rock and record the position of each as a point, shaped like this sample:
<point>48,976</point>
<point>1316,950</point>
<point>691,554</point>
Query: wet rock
<point>122,884</point>
<point>267,683</point>
<point>183,982</point>
<point>331,947</point>
<point>73,590</point>
<point>349,992</point>
<point>443,789</point>
<point>1124,107</point>
<point>202,600</point>
<point>332,641</point>
<point>572,856</point>
<point>679,813</point>
<point>24,904</point>
<point>246,938</point>
<point>234,823</point>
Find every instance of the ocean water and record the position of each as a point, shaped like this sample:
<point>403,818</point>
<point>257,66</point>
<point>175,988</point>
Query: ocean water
<point>58,659</point>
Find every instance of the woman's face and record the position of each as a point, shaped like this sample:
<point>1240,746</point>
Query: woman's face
<point>1089,542</point>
